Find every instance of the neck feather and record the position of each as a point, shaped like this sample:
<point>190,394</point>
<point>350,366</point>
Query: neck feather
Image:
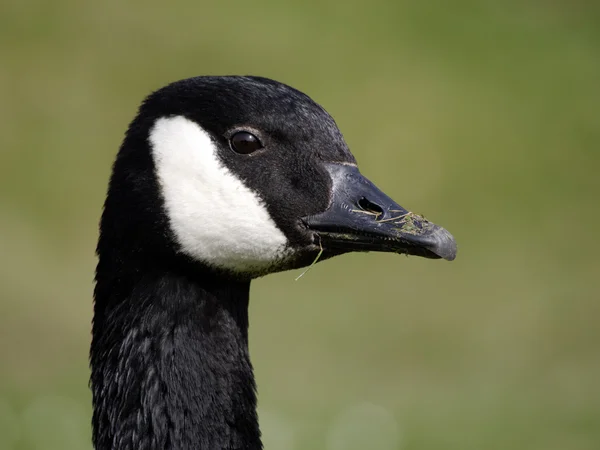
<point>170,364</point>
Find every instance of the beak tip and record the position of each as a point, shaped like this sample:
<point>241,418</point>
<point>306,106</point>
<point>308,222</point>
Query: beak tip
<point>445,244</point>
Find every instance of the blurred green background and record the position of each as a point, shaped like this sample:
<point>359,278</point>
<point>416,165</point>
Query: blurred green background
<point>482,115</point>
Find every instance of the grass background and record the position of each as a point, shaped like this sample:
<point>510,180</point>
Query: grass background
<point>482,115</point>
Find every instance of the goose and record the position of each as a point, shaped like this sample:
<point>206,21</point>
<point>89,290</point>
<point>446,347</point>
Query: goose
<point>219,180</point>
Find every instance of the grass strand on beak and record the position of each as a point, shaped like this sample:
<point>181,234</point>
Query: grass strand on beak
<point>313,263</point>
<point>369,213</point>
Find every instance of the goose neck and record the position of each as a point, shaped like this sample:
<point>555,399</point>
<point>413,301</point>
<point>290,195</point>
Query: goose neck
<point>170,364</point>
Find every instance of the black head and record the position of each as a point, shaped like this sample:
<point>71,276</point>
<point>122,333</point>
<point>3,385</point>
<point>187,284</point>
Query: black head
<point>248,176</point>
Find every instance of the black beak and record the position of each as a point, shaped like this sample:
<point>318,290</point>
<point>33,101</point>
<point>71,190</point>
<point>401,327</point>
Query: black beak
<point>362,218</point>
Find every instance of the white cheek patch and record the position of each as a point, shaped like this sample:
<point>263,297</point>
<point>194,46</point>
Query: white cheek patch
<point>215,218</point>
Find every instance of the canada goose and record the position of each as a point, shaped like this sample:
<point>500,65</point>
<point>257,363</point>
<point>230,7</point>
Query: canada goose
<point>219,180</point>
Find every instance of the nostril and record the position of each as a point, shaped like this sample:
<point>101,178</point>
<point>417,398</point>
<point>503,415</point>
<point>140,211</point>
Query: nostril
<point>369,206</point>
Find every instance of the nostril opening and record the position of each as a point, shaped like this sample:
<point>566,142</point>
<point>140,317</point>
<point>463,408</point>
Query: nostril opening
<point>369,206</point>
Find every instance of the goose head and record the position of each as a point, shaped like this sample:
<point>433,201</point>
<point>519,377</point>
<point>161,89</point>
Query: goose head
<point>246,176</point>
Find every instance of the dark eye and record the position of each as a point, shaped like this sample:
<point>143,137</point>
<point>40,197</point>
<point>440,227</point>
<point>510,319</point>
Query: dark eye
<point>244,142</point>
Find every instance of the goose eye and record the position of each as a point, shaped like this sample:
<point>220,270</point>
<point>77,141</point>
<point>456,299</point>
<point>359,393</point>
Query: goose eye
<point>244,142</point>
